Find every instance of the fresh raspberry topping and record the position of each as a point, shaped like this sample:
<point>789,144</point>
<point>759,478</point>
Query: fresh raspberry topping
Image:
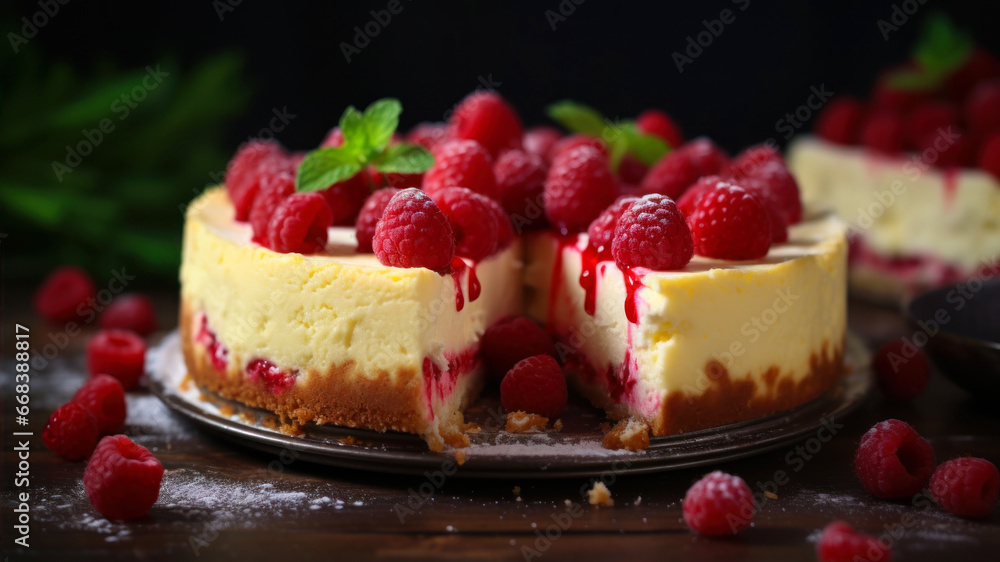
<point>413,232</point>
<point>118,353</point>
<point>747,163</point>
<point>689,201</point>
<point>505,229</point>
<point>334,139</point>
<point>534,385</point>
<point>299,225</point>
<point>882,131</point>
<point>730,224</point>
<point>273,191</point>
<point>719,504</point>
<point>461,163</point>
<point>71,432</point>
<point>579,186</point>
<point>966,486</point>
<point>989,156</point>
<point>839,121</point>
<point>893,460</point>
<point>772,204</point>
<point>927,120</point>
<point>631,170</point>
<point>521,181</point>
<point>122,479</point>
<point>511,339</point>
<point>960,154</point>
<point>393,179</point>
<point>63,294</point>
<point>131,312</point>
<point>243,173</point>
<point>902,369</point>
<point>765,164</point>
<point>104,397</point>
<point>982,109</point>
<point>706,157</point>
<point>601,232</point>
<point>541,140</point>
<point>428,135</point>
<point>344,199</point>
<point>656,122</point>
<point>570,142</point>
<point>371,212</point>
<point>979,67</point>
<point>671,176</point>
<point>839,542</point>
<point>268,374</point>
<point>486,118</point>
<point>472,222</point>
<point>652,233</point>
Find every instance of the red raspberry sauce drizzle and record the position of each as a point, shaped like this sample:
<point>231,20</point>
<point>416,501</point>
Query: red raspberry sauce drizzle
<point>633,281</point>
<point>274,379</point>
<point>438,384</point>
<point>218,354</point>
<point>458,265</point>
<point>589,259</point>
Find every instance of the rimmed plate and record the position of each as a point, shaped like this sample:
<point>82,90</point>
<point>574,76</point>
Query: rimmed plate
<point>572,452</point>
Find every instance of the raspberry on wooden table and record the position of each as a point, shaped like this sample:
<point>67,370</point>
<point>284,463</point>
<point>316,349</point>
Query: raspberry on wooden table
<point>472,221</point>
<point>893,461</point>
<point>511,339</point>
<point>658,123</point>
<point>461,163</point>
<point>966,486</point>
<point>63,294</point>
<point>414,232</point>
<point>578,187</point>
<point>118,353</point>
<point>299,225</point>
<point>371,212</point>
<point>71,432</point>
<point>122,479</point>
<point>104,397</point>
<point>902,369</point>
<point>719,504</point>
<point>535,385</point>
<point>486,118</point>
<point>652,233</point>
<point>540,140</point>
<point>133,312</point>
<point>839,542</point>
<point>730,224</point>
<point>840,120</point>
<point>601,232</point>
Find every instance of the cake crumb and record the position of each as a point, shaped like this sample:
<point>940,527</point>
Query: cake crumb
<point>523,422</point>
<point>291,428</point>
<point>186,382</point>
<point>516,490</point>
<point>770,495</point>
<point>558,425</point>
<point>472,427</point>
<point>270,422</point>
<point>600,495</point>
<point>227,410</point>
<point>248,417</point>
<point>460,457</point>
<point>605,427</point>
<point>631,434</point>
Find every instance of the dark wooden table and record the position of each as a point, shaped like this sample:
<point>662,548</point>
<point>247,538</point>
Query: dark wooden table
<point>223,502</point>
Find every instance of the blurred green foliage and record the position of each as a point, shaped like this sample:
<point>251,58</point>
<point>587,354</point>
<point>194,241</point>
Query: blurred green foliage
<point>121,204</point>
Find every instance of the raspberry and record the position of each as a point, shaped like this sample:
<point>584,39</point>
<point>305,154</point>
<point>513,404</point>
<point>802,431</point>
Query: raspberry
<point>71,432</point>
<point>631,170</point>
<point>505,230</point>
<point>541,140</point>
<point>902,374</point>
<point>839,121</point>
<point>893,460</point>
<point>63,295</point>
<point>652,233</point>
<point>273,191</point>
<point>270,376</point>
<point>671,176</point>
<point>299,225</point>
<point>730,224</point>
<point>978,67</point>
<point>989,155</point>
<point>706,157</point>
<point>461,163</point>
<point>966,486</point>
<point>601,231</point>
<point>689,201</point>
<point>521,181</point>
<point>772,205</point>
<point>122,479</point>
<point>572,141</point>
<point>486,118</point>
<point>750,161</point>
<point>393,179</point>
<point>658,123</point>
<point>578,187</point>
<point>344,199</point>
<point>765,164</point>
<point>118,353</point>
<point>839,542</point>
<point>960,154</point>
<point>882,132</point>
<point>925,121</point>
<point>428,135</point>
<point>982,109</point>
<point>413,232</point>
<point>104,397</point>
<point>719,504</point>
<point>472,222</point>
<point>371,212</point>
<point>243,173</point>
<point>511,339</point>
<point>130,312</point>
<point>335,138</point>
<point>534,385</point>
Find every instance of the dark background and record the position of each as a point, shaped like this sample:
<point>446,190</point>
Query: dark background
<point>615,56</point>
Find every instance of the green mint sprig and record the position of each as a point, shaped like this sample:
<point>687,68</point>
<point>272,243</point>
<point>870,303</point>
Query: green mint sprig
<point>941,49</point>
<point>366,142</point>
<point>622,137</point>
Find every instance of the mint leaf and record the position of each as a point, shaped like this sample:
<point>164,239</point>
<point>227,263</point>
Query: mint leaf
<point>353,128</point>
<point>578,118</point>
<point>380,121</point>
<point>324,167</point>
<point>941,49</point>
<point>648,149</point>
<point>404,158</point>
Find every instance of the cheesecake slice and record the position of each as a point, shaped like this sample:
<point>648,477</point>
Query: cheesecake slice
<point>713,343</point>
<point>337,337</point>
